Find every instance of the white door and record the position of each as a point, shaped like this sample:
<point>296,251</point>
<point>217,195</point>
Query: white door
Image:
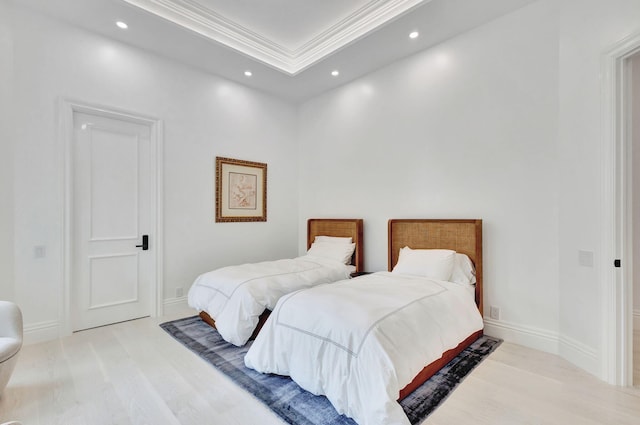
<point>112,278</point>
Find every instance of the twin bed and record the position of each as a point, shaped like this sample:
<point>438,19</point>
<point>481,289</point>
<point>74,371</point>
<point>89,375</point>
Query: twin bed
<point>237,300</point>
<point>367,342</point>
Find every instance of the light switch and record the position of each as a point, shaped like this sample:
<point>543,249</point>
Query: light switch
<point>585,258</point>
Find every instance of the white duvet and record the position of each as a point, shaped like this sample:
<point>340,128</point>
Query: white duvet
<point>359,342</point>
<point>236,296</point>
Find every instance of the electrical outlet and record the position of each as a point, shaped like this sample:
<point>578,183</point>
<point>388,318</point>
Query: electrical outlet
<point>494,313</point>
<point>179,292</point>
<point>39,251</point>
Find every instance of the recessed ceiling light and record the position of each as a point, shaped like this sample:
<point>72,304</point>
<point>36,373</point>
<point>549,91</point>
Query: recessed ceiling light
<point>414,34</point>
<point>335,72</point>
<point>122,25</point>
<point>248,73</point>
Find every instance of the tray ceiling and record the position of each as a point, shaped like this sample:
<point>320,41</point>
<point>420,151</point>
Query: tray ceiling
<point>289,35</point>
<point>290,47</point>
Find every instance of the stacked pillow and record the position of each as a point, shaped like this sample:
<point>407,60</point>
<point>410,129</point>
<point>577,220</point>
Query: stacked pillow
<point>440,264</point>
<point>335,248</point>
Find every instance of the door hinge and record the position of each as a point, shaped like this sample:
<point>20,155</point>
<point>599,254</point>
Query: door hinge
<point>616,263</point>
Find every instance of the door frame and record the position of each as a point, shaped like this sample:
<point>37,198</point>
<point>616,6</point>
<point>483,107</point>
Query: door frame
<point>617,216</point>
<point>66,108</point>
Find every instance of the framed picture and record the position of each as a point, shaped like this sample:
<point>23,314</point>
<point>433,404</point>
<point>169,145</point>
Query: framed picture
<point>241,190</point>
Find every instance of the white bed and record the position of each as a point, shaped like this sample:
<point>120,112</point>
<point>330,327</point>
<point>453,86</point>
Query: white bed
<point>237,299</point>
<point>363,342</point>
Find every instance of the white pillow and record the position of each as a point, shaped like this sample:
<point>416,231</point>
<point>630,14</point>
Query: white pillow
<point>337,251</point>
<point>432,263</point>
<point>333,239</point>
<point>463,270</point>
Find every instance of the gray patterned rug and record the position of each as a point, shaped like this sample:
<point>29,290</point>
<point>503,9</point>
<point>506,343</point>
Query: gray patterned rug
<point>299,407</point>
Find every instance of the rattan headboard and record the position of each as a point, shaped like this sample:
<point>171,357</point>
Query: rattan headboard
<point>340,227</point>
<point>464,236</point>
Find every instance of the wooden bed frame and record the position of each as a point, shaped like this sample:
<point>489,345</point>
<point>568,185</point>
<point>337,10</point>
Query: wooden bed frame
<point>338,227</point>
<point>463,236</point>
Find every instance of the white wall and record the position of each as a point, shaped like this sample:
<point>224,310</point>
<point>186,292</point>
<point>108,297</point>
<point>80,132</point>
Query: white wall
<point>204,116</point>
<point>588,29</point>
<point>464,130</point>
<point>6,158</point>
<point>501,123</point>
<point>635,131</point>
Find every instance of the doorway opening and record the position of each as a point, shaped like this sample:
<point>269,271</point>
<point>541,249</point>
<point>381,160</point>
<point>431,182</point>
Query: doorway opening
<point>633,116</point>
<point>617,264</point>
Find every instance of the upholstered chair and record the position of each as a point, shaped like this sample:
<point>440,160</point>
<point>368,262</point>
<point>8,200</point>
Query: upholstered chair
<point>10,340</point>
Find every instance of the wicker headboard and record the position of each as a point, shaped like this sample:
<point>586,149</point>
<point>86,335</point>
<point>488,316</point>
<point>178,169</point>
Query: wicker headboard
<point>464,236</point>
<point>340,227</point>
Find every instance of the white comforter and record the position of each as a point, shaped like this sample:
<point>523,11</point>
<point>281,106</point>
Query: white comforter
<point>359,342</point>
<point>236,296</point>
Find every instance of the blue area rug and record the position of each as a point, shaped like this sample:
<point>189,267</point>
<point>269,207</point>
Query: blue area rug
<point>299,407</point>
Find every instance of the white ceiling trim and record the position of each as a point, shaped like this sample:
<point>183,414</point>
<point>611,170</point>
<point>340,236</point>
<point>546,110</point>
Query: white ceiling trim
<point>364,20</point>
<point>216,27</point>
<point>206,22</point>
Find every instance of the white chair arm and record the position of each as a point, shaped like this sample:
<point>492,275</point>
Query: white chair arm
<point>10,320</point>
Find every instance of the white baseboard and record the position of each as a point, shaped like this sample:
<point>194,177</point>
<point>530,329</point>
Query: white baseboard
<point>531,337</point>
<point>50,330</point>
<point>172,306</point>
<point>42,331</point>
<point>580,354</point>
<point>573,351</point>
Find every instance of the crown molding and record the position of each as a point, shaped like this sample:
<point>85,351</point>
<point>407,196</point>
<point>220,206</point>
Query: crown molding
<point>363,21</point>
<point>202,20</point>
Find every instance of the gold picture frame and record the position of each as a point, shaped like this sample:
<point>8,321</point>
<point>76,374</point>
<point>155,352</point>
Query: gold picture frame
<point>241,190</point>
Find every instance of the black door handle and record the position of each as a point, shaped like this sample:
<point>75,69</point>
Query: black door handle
<point>145,243</point>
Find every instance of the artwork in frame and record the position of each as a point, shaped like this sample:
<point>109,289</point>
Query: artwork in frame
<point>241,190</point>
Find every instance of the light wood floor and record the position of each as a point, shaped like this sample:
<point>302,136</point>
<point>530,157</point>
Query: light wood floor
<point>134,373</point>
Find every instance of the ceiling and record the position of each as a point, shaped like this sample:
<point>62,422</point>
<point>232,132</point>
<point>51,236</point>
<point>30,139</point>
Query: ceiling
<point>290,46</point>
<point>290,41</point>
